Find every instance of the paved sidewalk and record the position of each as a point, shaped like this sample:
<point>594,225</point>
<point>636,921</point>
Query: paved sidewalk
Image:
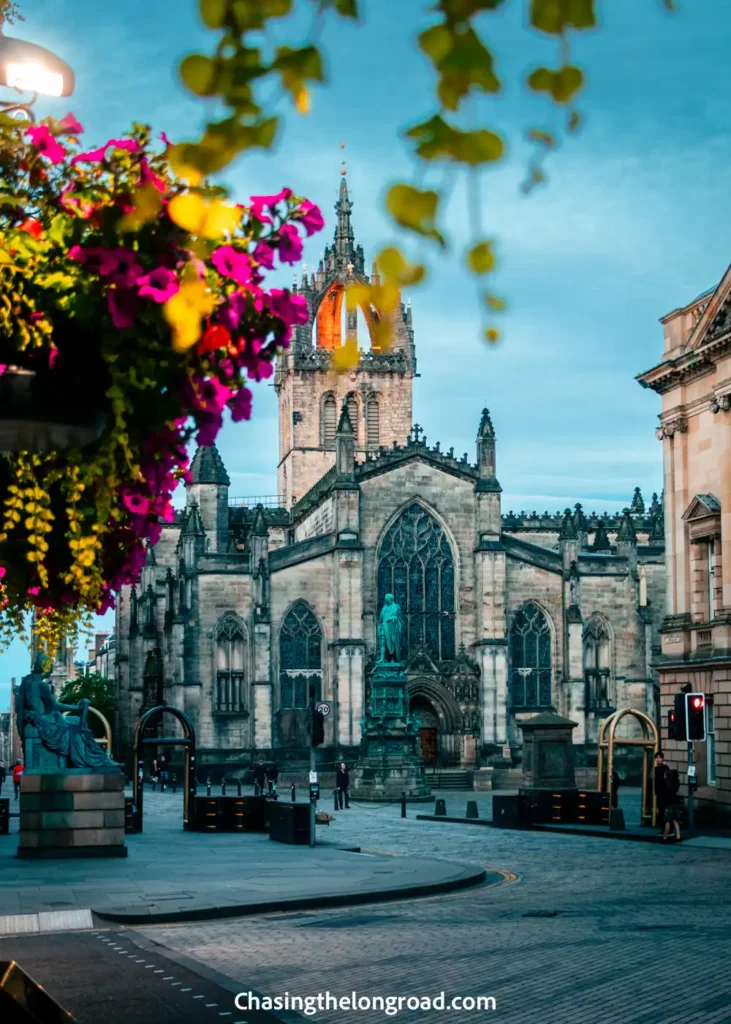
<point>172,875</point>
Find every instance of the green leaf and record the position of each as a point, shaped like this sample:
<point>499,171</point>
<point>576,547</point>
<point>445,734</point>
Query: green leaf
<point>481,258</point>
<point>438,140</point>
<point>253,14</point>
<point>213,12</point>
<point>6,200</point>
<point>415,210</point>
<point>463,10</point>
<point>562,85</point>
<point>555,16</point>
<point>58,232</point>
<point>463,62</point>
<point>198,73</point>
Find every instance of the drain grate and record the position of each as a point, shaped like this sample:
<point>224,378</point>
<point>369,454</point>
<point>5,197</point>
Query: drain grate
<point>541,913</point>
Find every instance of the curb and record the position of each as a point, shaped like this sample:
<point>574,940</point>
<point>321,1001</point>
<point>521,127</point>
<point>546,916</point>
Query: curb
<point>563,830</point>
<point>460,821</point>
<point>471,876</point>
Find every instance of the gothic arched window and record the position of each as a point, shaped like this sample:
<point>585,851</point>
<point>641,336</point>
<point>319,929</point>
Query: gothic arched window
<point>300,657</point>
<point>152,680</point>
<point>373,426</point>
<point>329,420</point>
<point>351,404</point>
<point>229,638</point>
<point>416,566</point>
<point>597,663</point>
<point>530,659</point>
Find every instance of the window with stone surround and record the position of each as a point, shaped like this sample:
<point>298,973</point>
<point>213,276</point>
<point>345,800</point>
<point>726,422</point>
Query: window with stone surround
<point>300,657</point>
<point>351,404</point>
<point>416,566</point>
<point>598,663</point>
<point>531,673</point>
<point>328,420</point>
<point>229,638</point>
<point>373,425</point>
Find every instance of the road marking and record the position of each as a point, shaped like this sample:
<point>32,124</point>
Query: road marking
<point>159,970</point>
<point>186,990</point>
<point>169,978</point>
<point>209,1005</point>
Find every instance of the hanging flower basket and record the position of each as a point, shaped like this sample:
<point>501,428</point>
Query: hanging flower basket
<point>133,313</point>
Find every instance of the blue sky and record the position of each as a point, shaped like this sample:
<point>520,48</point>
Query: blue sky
<point>634,220</point>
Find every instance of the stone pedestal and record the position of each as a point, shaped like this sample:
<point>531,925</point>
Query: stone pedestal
<point>548,753</point>
<point>75,814</point>
<point>390,761</point>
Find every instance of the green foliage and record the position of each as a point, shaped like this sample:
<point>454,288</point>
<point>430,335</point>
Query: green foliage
<point>455,42</point>
<point>9,12</point>
<point>96,688</point>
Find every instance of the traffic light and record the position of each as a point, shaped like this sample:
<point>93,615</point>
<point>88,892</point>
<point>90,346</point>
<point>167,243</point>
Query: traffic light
<point>696,716</point>
<point>676,719</point>
<point>318,727</point>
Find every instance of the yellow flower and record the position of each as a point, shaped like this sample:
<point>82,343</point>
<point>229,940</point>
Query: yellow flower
<point>185,311</point>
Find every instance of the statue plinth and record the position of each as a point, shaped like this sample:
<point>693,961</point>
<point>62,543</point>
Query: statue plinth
<point>390,761</point>
<point>72,814</point>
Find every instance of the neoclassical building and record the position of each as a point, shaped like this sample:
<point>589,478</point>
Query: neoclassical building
<point>244,604</point>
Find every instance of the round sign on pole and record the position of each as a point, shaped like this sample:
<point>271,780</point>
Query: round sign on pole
<point>323,707</point>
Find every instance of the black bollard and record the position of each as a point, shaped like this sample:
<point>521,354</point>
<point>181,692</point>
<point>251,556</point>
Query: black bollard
<point>293,794</point>
<point>403,804</point>
<point>174,783</point>
<point>440,808</point>
<point>223,787</point>
<point>335,800</point>
<point>238,787</point>
<point>208,786</point>
<point>472,809</point>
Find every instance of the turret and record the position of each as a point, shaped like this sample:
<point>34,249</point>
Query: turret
<point>209,491</point>
<point>487,487</point>
<point>627,537</point>
<point>345,447</point>
<point>193,539</point>
<point>581,526</point>
<point>568,540</point>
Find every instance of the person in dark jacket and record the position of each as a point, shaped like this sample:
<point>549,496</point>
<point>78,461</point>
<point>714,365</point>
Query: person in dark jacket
<point>661,771</point>
<point>3,773</point>
<point>260,775</point>
<point>342,784</point>
<point>164,772</point>
<point>673,805</point>
<point>272,775</point>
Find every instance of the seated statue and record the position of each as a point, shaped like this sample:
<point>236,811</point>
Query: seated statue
<point>40,721</point>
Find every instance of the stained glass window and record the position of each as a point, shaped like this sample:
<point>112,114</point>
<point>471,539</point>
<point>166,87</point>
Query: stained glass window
<point>530,659</point>
<point>416,566</point>
<point>230,639</point>
<point>300,657</point>
<point>597,663</point>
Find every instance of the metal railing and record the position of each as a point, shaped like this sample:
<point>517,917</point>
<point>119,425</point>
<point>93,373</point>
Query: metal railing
<point>266,500</point>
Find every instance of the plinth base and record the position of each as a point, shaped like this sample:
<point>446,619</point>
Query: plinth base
<point>71,816</point>
<point>376,780</point>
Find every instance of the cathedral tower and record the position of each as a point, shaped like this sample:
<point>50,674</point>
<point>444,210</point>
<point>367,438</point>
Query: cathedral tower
<point>376,393</point>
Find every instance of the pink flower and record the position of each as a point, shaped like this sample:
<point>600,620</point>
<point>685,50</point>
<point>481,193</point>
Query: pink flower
<point>137,504</point>
<point>70,126</point>
<point>292,309</point>
<point>240,405</point>
<point>123,268</point>
<point>260,203</point>
<point>264,255</point>
<point>166,141</point>
<point>33,591</point>
<point>45,143</point>
<point>122,306</point>
<point>160,284</point>
<point>233,311</point>
<point>311,217</point>
<point>148,176</point>
<point>258,367</point>
<point>168,513</point>
<point>52,356</point>
<point>74,204</point>
<point>95,156</point>
<point>3,571</point>
<point>230,263</point>
<point>290,244</point>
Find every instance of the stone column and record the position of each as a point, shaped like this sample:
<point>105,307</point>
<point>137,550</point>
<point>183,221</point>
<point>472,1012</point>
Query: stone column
<point>261,730</point>
<point>350,693</point>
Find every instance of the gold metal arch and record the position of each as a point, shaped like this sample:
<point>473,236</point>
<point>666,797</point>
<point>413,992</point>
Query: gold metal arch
<point>105,740</point>
<point>650,744</point>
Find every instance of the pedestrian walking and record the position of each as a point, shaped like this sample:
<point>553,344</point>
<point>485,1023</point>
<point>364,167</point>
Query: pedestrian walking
<point>661,770</point>
<point>154,774</point>
<point>673,806</point>
<point>342,785</point>
<point>17,776</point>
<point>3,775</point>
<point>272,776</point>
<point>260,775</point>
<point>164,772</point>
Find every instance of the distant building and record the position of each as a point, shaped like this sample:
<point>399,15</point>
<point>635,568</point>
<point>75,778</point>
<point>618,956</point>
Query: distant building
<point>101,657</point>
<point>694,380</point>
<point>246,603</point>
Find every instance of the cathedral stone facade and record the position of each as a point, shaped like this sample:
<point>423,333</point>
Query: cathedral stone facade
<point>244,605</point>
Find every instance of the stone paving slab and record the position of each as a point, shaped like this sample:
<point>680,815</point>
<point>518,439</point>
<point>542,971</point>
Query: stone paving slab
<point>175,875</point>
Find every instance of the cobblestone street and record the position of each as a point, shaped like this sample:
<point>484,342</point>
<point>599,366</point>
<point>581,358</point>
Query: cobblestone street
<point>592,931</point>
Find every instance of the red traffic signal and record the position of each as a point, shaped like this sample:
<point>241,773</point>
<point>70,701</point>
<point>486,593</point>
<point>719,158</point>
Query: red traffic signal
<point>695,716</point>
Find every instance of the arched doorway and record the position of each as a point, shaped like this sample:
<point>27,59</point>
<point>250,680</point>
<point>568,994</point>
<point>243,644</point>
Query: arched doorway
<point>428,721</point>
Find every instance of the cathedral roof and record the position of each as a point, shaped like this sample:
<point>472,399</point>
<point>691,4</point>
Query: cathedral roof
<point>207,467</point>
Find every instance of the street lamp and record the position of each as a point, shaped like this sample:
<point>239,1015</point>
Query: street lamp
<point>27,67</point>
